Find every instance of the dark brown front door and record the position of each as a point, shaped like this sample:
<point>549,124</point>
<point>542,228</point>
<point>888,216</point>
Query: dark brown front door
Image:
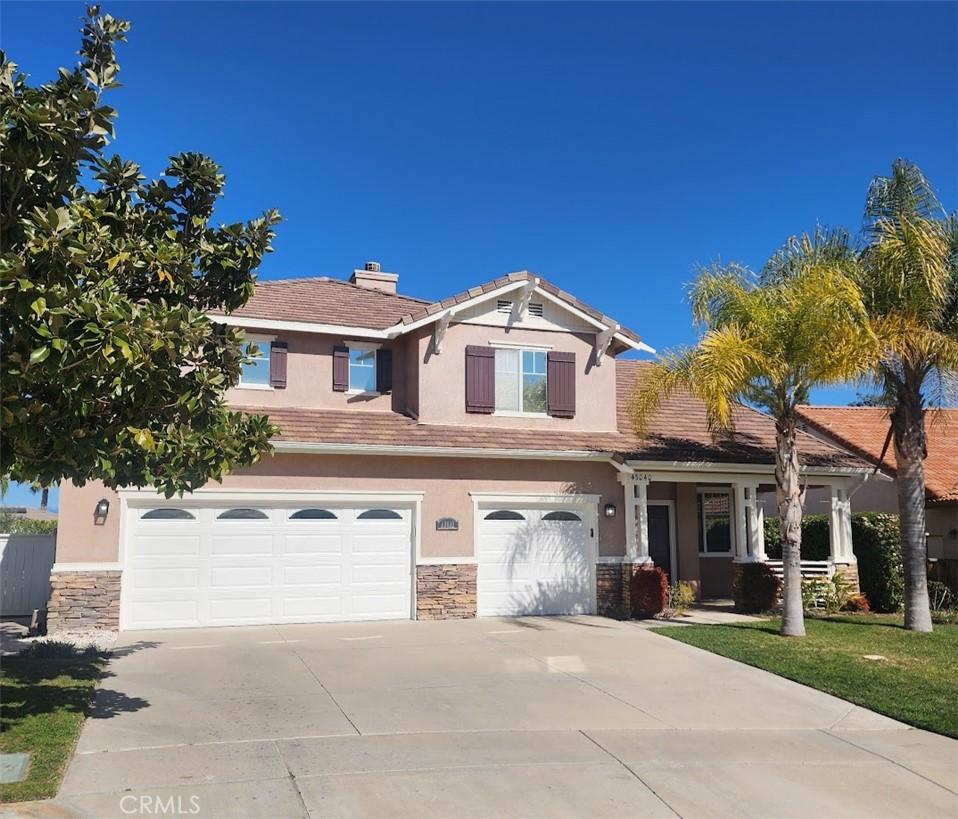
<point>660,541</point>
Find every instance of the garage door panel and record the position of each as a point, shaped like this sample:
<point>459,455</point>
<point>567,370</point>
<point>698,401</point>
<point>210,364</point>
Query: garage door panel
<point>226,577</point>
<point>210,571</point>
<point>313,544</point>
<point>312,575</point>
<point>230,545</point>
<point>535,565</point>
<point>172,546</point>
<point>167,578</point>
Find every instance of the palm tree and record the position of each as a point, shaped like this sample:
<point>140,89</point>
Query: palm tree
<point>768,342</point>
<point>909,282</point>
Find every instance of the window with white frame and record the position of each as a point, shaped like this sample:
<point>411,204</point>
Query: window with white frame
<point>521,381</point>
<point>362,369</point>
<point>715,521</point>
<point>255,372</point>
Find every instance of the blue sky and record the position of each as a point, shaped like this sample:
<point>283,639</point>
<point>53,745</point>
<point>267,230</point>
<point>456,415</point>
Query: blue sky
<point>608,147</point>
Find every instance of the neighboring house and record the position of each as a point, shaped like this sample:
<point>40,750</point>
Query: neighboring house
<point>863,431</point>
<point>435,459</point>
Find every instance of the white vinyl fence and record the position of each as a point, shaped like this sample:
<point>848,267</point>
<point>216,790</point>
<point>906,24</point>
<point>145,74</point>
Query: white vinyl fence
<point>25,564</point>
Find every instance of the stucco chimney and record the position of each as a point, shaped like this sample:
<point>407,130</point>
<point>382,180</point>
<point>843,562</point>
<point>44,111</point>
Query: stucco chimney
<point>371,276</point>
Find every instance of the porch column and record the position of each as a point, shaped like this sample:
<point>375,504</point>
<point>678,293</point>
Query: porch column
<point>636,518</point>
<point>749,524</point>
<point>840,526</point>
<point>642,519</point>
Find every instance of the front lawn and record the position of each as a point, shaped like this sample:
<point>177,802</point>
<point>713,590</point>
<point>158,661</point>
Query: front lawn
<point>43,707</point>
<point>917,683</point>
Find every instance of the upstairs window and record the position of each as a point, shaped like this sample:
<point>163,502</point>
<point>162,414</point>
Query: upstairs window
<point>255,373</point>
<point>362,370</point>
<point>521,381</point>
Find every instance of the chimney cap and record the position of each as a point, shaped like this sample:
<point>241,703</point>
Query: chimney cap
<point>373,267</point>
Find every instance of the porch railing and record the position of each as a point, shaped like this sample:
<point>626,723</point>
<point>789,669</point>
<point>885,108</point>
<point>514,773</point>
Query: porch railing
<point>810,568</point>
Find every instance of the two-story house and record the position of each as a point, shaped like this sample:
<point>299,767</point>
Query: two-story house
<point>465,457</point>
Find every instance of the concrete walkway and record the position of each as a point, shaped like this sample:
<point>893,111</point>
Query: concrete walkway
<point>536,717</point>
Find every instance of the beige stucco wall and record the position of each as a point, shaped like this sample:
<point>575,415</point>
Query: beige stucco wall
<point>445,482</point>
<point>442,379</point>
<point>309,379</point>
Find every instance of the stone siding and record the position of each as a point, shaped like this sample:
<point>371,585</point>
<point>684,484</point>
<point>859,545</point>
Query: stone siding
<point>446,591</point>
<point>850,572</point>
<point>84,600</point>
<point>613,589</point>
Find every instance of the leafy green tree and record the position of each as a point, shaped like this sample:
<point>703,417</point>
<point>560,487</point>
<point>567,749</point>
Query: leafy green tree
<point>768,343</point>
<point>111,369</point>
<point>909,282</point>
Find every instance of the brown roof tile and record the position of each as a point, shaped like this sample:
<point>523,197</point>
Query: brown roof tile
<point>679,434</point>
<point>863,431</point>
<point>322,300</point>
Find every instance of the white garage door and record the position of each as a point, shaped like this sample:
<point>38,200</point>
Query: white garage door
<point>535,561</point>
<point>241,563</point>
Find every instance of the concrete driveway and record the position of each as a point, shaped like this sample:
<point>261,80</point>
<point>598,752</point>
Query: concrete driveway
<point>495,717</point>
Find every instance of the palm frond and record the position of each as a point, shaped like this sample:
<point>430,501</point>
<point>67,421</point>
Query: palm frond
<point>825,246</point>
<point>906,192</point>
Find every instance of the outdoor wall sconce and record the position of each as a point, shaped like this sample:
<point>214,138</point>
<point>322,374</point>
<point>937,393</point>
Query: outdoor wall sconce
<point>100,512</point>
<point>609,510</point>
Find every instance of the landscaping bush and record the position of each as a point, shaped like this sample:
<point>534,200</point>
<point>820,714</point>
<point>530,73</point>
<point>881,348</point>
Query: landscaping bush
<point>826,594</point>
<point>681,597</point>
<point>857,604</point>
<point>15,525</point>
<point>815,538</point>
<point>877,544</point>
<point>756,588</point>
<point>649,592</point>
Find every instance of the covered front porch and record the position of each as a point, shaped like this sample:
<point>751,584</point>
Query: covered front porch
<point>697,522</point>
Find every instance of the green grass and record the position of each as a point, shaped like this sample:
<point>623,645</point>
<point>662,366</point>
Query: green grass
<point>917,684</point>
<point>44,704</point>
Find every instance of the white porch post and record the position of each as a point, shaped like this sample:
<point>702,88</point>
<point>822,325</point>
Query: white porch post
<point>749,524</point>
<point>642,519</point>
<point>636,518</point>
<point>840,526</point>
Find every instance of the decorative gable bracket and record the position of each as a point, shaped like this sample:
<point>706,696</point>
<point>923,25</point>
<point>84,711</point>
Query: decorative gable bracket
<point>439,333</point>
<point>525,296</point>
<point>603,340</point>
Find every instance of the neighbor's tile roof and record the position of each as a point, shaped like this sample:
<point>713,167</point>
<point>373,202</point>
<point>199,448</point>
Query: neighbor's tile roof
<point>680,433</point>
<point>322,300</point>
<point>863,431</point>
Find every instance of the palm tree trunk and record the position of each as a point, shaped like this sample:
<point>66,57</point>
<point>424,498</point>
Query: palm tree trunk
<point>908,424</point>
<point>44,498</point>
<point>790,500</point>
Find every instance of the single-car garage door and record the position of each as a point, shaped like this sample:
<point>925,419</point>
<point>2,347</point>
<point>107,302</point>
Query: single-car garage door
<point>535,560</point>
<point>240,563</point>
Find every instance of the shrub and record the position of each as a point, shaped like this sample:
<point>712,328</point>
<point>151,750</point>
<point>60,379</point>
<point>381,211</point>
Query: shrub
<point>649,592</point>
<point>857,603</point>
<point>815,538</point>
<point>681,596</point>
<point>940,597</point>
<point>756,588</point>
<point>877,543</point>
<point>15,525</point>
<point>828,595</point>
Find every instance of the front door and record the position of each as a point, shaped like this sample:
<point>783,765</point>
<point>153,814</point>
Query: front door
<point>660,538</point>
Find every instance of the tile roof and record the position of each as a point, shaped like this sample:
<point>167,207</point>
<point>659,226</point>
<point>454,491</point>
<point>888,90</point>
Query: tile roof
<point>679,434</point>
<point>322,300</point>
<point>863,431</point>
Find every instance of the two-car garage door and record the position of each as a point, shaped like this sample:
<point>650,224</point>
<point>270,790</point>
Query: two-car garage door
<point>246,563</point>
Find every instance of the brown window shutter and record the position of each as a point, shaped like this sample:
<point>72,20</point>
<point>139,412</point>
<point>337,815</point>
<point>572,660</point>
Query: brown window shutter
<point>560,375</point>
<point>480,379</point>
<point>340,368</point>
<point>384,371</point>
<point>277,365</point>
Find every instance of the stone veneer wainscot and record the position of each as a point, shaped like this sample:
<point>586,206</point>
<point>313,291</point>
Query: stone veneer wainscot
<point>88,599</point>
<point>446,591</point>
